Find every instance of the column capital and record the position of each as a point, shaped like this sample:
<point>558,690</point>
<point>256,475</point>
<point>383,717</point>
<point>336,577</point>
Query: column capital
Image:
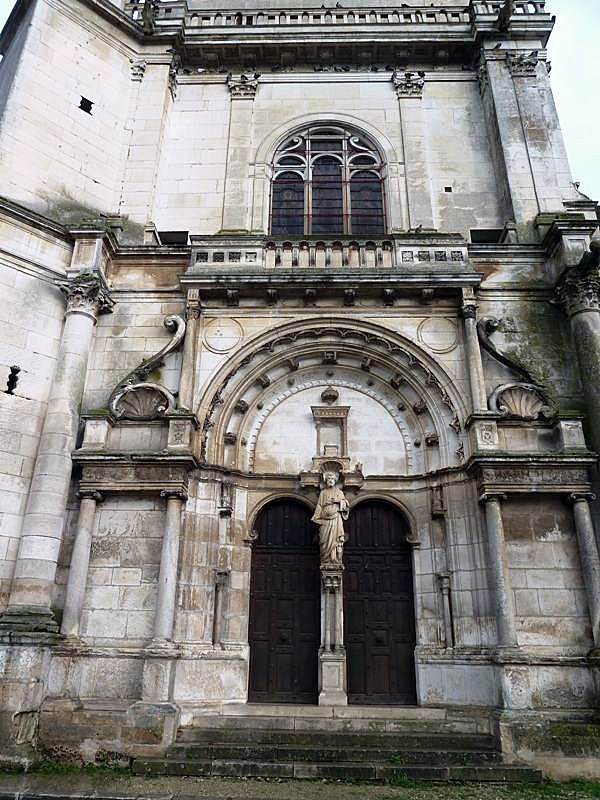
<point>86,293</point>
<point>408,84</point>
<point>331,580</point>
<point>243,86</point>
<point>180,494</point>
<point>579,497</point>
<point>90,494</point>
<point>488,497</point>
<point>578,291</point>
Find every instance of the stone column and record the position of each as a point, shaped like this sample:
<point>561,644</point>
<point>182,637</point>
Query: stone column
<point>579,295</point>
<point>498,572</point>
<point>188,362</point>
<point>169,559</point>
<point>332,655</point>
<point>590,561</point>
<point>80,559</point>
<point>409,90</point>
<point>32,591</point>
<point>473,353</point>
<point>236,205</point>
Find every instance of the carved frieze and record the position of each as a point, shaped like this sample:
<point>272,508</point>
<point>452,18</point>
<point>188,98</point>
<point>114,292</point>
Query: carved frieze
<point>118,474</point>
<point>87,293</point>
<point>524,65</point>
<point>537,477</point>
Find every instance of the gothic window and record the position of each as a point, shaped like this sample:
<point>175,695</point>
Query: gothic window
<point>327,181</point>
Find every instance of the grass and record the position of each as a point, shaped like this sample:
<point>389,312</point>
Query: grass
<point>548,790</point>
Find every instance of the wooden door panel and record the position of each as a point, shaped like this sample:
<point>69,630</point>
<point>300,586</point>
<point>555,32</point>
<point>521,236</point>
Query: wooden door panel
<point>284,629</point>
<point>379,619</point>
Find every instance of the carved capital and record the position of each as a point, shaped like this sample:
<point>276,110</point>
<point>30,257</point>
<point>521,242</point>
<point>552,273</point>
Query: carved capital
<point>86,293</point>
<point>177,493</point>
<point>243,86</point>
<point>492,497</point>
<point>193,307</point>
<point>408,84</point>
<point>579,291</point>
<point>331,581</point>
<point>90,494</point>
<point>582,497</point>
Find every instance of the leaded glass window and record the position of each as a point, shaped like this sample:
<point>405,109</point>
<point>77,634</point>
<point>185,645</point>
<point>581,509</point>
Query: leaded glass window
<point>327,181</point>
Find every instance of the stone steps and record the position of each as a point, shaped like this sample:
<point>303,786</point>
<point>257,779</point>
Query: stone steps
<point>348,771</point>
<point>331,754</point>
<point>357,744</point>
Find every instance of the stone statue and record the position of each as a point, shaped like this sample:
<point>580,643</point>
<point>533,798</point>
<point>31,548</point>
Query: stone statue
<point>331,511</point>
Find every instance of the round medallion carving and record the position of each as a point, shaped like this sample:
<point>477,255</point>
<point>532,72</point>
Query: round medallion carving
<point>222,335</point>
<point>438,334</point>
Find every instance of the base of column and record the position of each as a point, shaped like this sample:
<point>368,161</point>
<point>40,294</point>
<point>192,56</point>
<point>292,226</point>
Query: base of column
<point>28,620</point>
<point>332,678</point>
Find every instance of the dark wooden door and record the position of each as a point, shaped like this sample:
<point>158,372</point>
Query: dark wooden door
<point>284,629</point>
<point>379,617</point>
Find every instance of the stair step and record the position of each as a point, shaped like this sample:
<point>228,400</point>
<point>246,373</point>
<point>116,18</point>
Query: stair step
<point>406,741</point>
<point>286,753</point>
<point>336,771</point>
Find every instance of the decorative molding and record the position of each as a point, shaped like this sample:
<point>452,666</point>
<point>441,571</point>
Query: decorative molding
<point>87,293</point>
<point>135,397</point>
<point>342,333</point>
<point>521,401</point>
<point>244,86</point>
<point>408,84</point>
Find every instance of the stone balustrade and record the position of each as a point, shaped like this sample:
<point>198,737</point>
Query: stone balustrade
<point>274,253</point>
<point>168,13</point>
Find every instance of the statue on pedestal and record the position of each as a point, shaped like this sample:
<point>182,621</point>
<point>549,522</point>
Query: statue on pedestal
<point>331,512</point>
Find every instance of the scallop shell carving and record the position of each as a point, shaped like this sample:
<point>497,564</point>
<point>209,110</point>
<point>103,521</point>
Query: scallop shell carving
<point>143,401</point>
<point>522,401</point>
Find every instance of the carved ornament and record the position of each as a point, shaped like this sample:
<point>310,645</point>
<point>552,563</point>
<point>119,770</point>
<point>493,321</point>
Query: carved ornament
<point>521,401</point>
<point>330,357</point>
<point>243,86</point>
<point>135,397</point>
<point>87,293</point>
<point>524,65</point>
<point>408,84</point>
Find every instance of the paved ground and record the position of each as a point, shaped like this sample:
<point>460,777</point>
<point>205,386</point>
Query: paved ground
<point>105,785</point>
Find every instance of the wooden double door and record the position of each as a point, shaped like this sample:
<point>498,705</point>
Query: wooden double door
<point>284,628</point>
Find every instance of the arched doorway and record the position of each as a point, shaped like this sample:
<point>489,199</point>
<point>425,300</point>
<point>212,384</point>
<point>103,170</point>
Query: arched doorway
<point>379,616</point>
<point>284,630</point>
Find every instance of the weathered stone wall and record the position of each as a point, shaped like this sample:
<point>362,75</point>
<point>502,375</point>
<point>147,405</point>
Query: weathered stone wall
<point>545,573</point>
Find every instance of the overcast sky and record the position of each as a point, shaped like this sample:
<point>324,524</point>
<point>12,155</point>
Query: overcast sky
<point>575,79</point>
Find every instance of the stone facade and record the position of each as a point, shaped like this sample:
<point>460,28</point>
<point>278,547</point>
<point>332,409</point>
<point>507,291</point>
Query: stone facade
<point>182,366</point>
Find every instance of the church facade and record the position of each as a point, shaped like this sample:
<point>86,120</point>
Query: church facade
<point>301,341</point>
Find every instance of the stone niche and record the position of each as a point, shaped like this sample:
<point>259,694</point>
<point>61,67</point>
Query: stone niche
<point>288,440</point>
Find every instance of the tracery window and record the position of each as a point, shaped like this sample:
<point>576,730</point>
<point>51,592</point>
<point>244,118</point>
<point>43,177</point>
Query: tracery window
<point>327,180</point>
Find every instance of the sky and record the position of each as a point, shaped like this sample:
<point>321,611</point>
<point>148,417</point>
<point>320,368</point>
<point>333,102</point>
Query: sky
<point>573,51</point>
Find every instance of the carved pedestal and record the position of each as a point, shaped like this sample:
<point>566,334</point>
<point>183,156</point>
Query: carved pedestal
<point>332,654</point>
